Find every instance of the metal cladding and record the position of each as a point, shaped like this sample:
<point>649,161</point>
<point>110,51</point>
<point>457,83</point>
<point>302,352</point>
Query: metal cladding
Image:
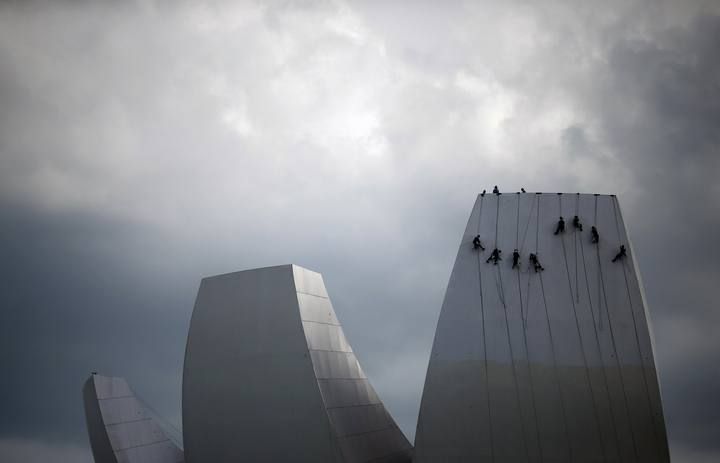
<point>120,428</point>
<point>269,376</point>
<point>547,366</point>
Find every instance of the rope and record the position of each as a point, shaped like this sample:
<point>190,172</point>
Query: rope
<point>530,374</point>
<point>497,218</point>
<point>515,378</point>
<point>599,274</point>
<point>582,346</point>
<point>517,224</point>
<point>614,344</point>
<point>537,227</point>
<point>637,336</point>
<point>527,225</point>
<point>552,343</point>
<point>525,346</point>
<point>498,274</point>
<point>482,315</point>
<point>576,237</point>
<point>555,369</point>
<point>597,344</point>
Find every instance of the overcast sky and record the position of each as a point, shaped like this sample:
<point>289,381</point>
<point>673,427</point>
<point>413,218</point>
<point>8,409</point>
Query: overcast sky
<point>146,145</point>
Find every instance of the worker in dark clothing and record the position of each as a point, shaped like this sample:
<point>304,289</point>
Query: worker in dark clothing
<point>477,244</point>
<point>494,257</point>
<point>496,191</point>
<point>595,236</point>
<point>560,226</point>
<point>516,258</point>
<point>522,190</point>
<point>536,263</point>
<point>576,223</point>
<point>483,193</point>
<point>621,254</point>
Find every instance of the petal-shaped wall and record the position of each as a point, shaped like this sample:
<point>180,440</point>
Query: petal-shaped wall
<point>121,430</point>
<point>554,365</point>
<point>269,376</point>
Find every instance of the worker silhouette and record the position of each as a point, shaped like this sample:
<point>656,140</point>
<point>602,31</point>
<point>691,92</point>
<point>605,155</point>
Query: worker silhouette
<point>483,193</point>
<point>576,223</point>
<point>516,258</point>
<point>621,254</point>
<point>560,226</point>
<point>536,263</point>
<point>522,190</point>
<point>496,191</point>
<point>494,257</point>
<point>477,244</point>
<point>595,236</point>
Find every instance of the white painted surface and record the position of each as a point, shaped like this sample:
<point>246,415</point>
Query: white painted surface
<point>269,376</point>
<point>121,430</point>
<point>549,366</point>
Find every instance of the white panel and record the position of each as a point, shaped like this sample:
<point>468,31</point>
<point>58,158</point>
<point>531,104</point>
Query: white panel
<point>121,410</point>
<point>284,382</point>
<point>120,428</point>
<point>553,366</point>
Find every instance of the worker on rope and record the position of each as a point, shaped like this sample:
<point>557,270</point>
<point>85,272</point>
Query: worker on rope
<point>494,257</point>
<point>516,258</point>
<point>560,226</point>
<point>523,190</point>
<point>477,244</point>
<point>595,235</point>
<point>496,191</point>
<point>483,194</point>
<point>621,254</point>
<point>536,263</point>
<point>576,223</point>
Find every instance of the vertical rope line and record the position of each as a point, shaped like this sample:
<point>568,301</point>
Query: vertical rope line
<point>524,338</point>
<point>597,344</point>
<point>517,225</point>
<point>482,315</point>
<point>497,216</point>
<point>515,378</point>
<point>582,345</point>
<point>498,274</point>
<point>576,237</point>
<point>537,226</point>
<point>614,345</point>
<point>555,370</point>
<point>599,274</point>
<point>530,374</point>
<point>527,226</point>
<point>637,335</point>
<point>552,343</point>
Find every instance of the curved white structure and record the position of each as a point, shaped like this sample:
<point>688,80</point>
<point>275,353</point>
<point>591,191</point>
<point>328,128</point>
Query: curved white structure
<point>120,429</point>
<point>553,366</point>
<point>270,377</point>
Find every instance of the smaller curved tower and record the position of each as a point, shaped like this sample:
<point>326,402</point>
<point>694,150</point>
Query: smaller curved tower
<point>120,429</point>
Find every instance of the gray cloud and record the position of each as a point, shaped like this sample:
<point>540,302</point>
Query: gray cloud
<point>144,146</point>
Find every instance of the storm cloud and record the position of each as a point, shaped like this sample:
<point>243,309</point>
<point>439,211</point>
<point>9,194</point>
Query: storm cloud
<point>146,145</point>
